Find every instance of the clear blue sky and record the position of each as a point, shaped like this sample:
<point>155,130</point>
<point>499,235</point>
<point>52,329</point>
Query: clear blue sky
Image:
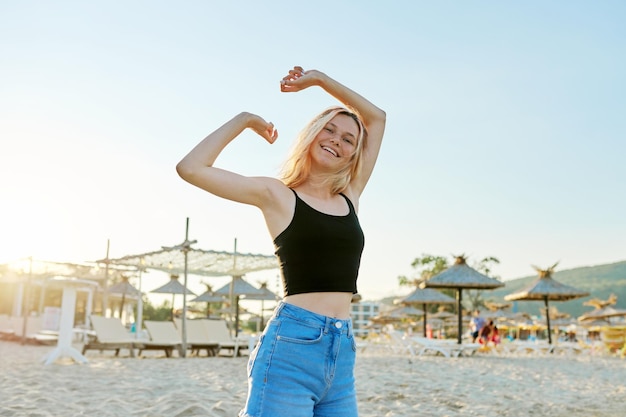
<point>505,133</point>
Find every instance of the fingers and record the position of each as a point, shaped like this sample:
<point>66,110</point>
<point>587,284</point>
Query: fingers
<point>272,133</point>
<point>293,75</point>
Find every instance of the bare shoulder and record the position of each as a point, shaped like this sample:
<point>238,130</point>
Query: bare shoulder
<point>276,191</point>
<point>278,206</point>
<point>353,196</point>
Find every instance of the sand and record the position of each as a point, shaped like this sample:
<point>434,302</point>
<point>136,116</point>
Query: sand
<point>388,385</point>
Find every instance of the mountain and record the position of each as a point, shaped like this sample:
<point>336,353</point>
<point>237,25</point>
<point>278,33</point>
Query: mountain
<point>600,281</point>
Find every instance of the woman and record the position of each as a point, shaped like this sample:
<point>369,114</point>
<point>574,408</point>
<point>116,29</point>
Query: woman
<point>303,364</point>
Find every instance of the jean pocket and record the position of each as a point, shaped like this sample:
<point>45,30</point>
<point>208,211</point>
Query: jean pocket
<point>294,332</point>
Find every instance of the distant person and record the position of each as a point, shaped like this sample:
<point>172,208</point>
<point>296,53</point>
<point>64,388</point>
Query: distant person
<point>476,325</point>
<point>489,333</point>
<point>303,364</point>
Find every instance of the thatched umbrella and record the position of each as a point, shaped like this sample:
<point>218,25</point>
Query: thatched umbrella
<point>603,309</point>
<point>208,297</point>
<point>461,276</point>
<point>397,314</point>
<point>425,296</point>
<point>173,287</point>
<point>126,290</point>
<point>234,290</point>
<point>267,295</point>
<point>547,289</point>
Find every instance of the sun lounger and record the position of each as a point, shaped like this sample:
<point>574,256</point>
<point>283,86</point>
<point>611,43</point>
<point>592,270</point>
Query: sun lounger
<point>198,337</point>
<point>537,347</point>
<point>6,329</point>
<point>12,328</point>
<point>163,336</point>
<point>445,347</point>
<point>218,331</point>
<point>110,335</point>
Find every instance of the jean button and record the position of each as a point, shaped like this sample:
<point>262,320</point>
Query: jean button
<point>338,324</point>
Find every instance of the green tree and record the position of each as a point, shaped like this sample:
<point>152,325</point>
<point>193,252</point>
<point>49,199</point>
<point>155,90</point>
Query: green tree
<point>157,313</point>
<point>475,297</point>
<point>426,267</point>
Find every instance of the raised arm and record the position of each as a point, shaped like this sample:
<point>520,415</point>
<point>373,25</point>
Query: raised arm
<point>197,166</point>
<point>373,117</point>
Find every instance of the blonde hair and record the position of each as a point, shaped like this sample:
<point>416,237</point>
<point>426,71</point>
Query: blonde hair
<point>297,167</point>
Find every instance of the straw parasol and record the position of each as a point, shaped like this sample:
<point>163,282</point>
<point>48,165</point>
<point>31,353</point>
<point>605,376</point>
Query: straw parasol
<point>126,290</point>
<point>237,288</point>
<point>547,289</point>
<point>461,276</point>
<point>425,296</point>
<point>267,295</point>
<point>173,287</point>
<point>208,297</point>
<point>603,309</point>
<point>397,314</point>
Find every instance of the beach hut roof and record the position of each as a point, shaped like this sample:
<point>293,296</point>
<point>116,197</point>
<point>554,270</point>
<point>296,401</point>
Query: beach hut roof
<point>462,276</point>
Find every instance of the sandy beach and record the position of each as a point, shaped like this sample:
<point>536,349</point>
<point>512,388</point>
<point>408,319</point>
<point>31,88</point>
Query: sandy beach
<point>388,385</point>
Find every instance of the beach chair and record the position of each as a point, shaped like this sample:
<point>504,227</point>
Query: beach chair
<point>6,328</point>
<point>110,335</point>
<point>218,331</point>
<point>198,337</point>
<point>398,342</point>
<point>12,328</point>
<point>426,346</point>
<point>613,338</point>
<point>163,336</point>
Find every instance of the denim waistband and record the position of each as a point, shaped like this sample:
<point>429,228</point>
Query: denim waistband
<point>329,324</point>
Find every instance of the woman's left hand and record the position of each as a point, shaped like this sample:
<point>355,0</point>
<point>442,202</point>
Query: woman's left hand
<point>297,80</point>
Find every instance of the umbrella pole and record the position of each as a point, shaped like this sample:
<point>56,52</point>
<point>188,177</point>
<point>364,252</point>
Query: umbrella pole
<point>173,306</point>
<point>231,293</point>
<point>425,317</point>
<point>236,316</point>
<point>459,299</point>
<point>545,300</point>
<point>122,303</point>
<point>105,284</point>
<point>186,248</point>
<point>139,318</point>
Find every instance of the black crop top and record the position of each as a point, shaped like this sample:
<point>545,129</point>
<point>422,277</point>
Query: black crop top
<point>320,252</point>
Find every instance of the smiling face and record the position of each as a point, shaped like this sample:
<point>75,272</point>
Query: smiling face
<point>331,145</point>
<point>336,143</point>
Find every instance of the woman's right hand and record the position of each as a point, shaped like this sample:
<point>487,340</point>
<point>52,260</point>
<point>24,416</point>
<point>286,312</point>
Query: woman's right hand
<point>262,128</point>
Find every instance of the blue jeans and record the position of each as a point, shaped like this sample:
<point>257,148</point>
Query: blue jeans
<point>303,366</point>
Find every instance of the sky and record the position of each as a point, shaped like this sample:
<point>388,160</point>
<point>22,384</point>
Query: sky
<point>505,126</point>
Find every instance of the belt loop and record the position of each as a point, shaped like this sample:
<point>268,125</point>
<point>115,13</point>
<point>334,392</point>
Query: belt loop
<point>327,324</point>
<point>280,307</point>
<point>349,330</point>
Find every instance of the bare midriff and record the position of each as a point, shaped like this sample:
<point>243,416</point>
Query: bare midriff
<point>330,304</point>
